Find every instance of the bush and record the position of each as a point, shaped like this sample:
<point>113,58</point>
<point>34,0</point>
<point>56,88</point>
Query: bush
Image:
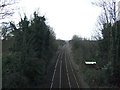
<point>34,69</point>
<point>12,76</point>
<point>22,74</point>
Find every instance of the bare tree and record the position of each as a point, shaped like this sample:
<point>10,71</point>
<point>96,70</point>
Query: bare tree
<point>7,8</point>
<point>109,11</point>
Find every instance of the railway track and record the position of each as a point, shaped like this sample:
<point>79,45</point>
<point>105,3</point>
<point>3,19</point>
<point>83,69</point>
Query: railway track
<point>64,75</point>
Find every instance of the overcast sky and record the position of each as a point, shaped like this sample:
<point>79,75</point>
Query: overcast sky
<point>67,17</point>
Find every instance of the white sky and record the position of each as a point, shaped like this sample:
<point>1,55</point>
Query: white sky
<point>67,17</point>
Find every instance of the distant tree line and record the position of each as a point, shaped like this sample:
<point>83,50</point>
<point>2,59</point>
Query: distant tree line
<point>33,47</point>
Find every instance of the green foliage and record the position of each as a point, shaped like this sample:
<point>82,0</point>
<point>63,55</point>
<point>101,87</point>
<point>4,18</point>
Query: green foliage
<point>91,60</point>
<point>33,47</point>
<point>109,48</point>
<point>11,72</point>
<point>34,69</point>
<point>116,53</point>
<point>96,78</point>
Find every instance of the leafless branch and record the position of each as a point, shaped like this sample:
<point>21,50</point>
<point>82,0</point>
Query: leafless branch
<point>108,14</point>
<point>7,8</point>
